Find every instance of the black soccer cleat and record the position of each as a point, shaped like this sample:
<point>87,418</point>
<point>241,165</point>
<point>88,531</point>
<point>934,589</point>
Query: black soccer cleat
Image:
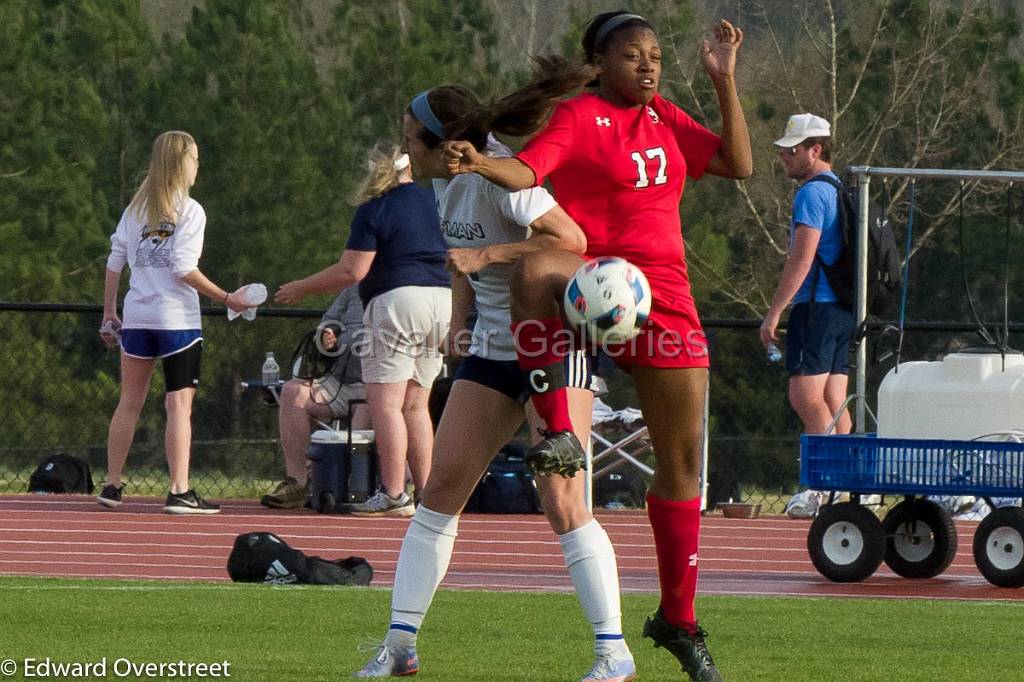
<point>559,453</point>
<point>689,648</point>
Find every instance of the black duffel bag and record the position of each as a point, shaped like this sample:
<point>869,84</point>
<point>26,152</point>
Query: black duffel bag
<point>507,487</point>
<point>624,488</point>
<point>263,557</point>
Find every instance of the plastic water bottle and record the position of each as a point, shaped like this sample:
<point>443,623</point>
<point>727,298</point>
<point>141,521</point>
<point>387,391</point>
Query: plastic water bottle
<point>774,354</point>
<point>271,372</point>
<point>112,330</point>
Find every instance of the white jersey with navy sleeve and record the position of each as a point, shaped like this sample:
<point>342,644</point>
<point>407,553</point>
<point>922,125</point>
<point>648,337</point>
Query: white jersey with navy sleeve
<point>476,213</point>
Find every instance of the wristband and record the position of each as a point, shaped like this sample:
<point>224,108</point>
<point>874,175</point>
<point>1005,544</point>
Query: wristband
<point>226,298</point>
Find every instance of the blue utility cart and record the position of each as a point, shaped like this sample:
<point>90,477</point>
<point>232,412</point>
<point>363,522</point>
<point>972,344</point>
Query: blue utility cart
<point>917,538</point>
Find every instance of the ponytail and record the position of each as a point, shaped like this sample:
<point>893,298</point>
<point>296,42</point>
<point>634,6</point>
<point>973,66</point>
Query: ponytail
<point>382,163</point>
<point>519,114</point>
<point>525,111</point>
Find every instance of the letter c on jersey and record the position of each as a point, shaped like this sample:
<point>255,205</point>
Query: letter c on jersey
<point>542,386</point>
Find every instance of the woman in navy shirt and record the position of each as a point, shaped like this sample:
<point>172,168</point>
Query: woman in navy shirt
<point>396,253</point>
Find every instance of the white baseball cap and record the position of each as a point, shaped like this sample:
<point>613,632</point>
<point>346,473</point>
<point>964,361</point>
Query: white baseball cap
<point>800,127</point>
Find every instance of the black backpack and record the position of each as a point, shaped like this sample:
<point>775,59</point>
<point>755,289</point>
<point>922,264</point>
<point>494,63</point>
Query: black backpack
<point>624,488</point>
<point>884,273</point>
<point>61,474</point>
<point>263,557</point>
<point>507,486</point>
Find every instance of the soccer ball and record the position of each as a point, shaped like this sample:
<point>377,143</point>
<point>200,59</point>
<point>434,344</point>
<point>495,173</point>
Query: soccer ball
<point>609,299</point>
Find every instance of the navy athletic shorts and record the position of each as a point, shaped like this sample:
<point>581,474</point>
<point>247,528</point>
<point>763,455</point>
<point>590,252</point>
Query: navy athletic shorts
<point>181,352</point>
<point>149,344</point>
<point>508,378</point>
<point>818,339</point>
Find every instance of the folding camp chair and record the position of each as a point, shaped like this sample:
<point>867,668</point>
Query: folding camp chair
<point>605,455</point>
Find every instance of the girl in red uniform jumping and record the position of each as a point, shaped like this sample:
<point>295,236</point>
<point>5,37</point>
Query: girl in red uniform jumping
<point>617,157</point>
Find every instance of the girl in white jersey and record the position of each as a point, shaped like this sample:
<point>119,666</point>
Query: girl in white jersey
<point>488,228</point>
<point>160,237</point>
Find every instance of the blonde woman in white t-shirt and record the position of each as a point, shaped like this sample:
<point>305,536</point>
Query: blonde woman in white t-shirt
<point>160,238</point>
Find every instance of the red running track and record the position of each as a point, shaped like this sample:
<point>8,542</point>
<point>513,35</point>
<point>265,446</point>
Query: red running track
<point>71,536</point>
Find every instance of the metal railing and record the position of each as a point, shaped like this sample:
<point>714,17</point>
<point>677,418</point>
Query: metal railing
<point>864,175</point>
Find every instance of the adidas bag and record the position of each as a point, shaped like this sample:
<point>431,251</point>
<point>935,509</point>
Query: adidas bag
<point>61,474</point>
<point>263,557</point>
<point>884,273</point>
<point>507,486</point>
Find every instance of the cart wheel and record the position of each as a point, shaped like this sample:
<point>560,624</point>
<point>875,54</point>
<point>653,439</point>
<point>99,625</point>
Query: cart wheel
<point>999,547</point>
<point>326,505</point>
<point>920,539</point>
<point>846,542</point>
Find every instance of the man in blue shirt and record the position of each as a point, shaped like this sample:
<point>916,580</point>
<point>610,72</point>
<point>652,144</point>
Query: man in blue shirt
<point>818,339</point>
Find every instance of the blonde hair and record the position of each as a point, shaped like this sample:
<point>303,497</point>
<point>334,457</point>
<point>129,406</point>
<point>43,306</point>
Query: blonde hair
<point>382,176</point>
<point>166,183</point>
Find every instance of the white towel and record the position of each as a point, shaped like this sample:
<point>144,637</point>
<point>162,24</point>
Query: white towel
<point>253,295</point>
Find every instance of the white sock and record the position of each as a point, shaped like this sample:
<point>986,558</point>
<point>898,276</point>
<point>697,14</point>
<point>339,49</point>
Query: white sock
<point>590,558</point>
<point>422,562</point>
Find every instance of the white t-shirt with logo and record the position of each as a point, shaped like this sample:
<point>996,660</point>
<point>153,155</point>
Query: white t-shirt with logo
<point>158,258</point>
<point>476,213</point>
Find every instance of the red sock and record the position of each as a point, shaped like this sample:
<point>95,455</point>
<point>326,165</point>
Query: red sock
<point>539,344</point>
<point>676,527</point>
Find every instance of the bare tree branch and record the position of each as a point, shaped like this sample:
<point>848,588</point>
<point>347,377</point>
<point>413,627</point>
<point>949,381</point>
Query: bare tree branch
<point>725,286</point>
<point>756,216</point>
<point>783,62</point>
<point>875,35</point>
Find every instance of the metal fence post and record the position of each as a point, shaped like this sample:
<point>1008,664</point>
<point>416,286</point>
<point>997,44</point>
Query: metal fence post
<point>864,189</point>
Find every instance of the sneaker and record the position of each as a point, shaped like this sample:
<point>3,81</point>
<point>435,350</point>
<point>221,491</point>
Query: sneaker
<point>559,453</point>
<point>380,504</point>
<point>287,495</point>
<point>804,505</point>
<point>688,648</point>
<point>110,496</point>
<point>189,503</point>
<point>388,662</point>
<point>608,669</point>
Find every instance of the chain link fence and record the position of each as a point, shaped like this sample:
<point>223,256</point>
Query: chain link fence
<point>60,385</point>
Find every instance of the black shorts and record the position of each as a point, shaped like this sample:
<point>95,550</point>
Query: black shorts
<point>818,339</point>
<point>181,370</point>
<point>508,378</point>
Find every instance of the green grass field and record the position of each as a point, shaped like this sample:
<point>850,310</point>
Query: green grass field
<point>314,633</point>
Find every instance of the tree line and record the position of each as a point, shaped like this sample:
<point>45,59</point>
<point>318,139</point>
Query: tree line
<point>285,96</point>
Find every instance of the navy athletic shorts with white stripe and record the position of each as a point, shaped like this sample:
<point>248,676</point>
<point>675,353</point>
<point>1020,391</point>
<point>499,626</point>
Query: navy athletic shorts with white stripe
<point>508,378</point>
<point>150,344</point>
<point>180,352</point>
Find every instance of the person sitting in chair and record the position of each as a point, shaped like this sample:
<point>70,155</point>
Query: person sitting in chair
<point>308,400</point>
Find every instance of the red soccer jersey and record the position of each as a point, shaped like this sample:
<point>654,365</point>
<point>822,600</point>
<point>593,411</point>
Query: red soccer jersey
<point>619,172</point>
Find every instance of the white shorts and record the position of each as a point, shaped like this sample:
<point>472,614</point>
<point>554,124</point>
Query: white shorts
<point>403,329</point>
<point>332,393</point>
